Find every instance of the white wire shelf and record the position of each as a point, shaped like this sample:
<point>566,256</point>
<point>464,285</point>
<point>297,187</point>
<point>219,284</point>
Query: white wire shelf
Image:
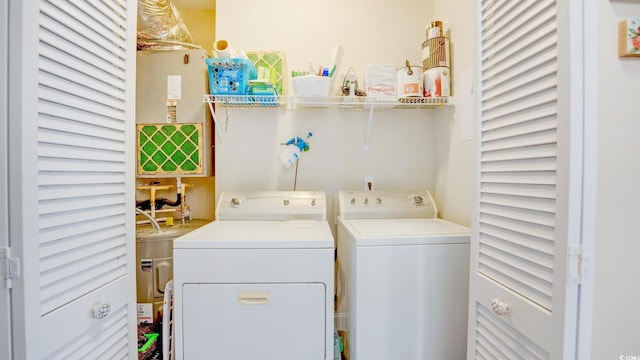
<point>294,103</point>
<point>339,102</point>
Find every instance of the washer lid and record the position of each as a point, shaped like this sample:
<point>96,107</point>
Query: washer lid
<point>392,232</point>
<point>293,234</point>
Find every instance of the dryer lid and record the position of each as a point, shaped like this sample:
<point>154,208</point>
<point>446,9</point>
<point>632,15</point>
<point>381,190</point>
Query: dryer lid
<point>296,234</point>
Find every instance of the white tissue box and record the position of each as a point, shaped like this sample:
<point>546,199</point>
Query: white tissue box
<point>311,86</point>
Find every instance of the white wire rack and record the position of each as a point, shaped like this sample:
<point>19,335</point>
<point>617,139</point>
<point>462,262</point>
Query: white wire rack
<point>340,102</point>
<point>370,103</point>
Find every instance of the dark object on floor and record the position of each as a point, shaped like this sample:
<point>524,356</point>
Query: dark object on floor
<point>150,341</point>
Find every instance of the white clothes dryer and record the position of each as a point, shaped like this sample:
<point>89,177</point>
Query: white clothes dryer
<point>257,283</point>
<point>403,277</point>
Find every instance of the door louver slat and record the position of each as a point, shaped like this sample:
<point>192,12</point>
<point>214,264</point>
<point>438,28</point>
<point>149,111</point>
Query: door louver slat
<point>519,215</point>
<point>111,343</point>
<point>103,68</point>
<point>68,146</point>
<point>508,112</point>
<point>78,165</point>
<point>519,243</point>
<point>543,233</point>
<point>75,204</point>
<point>533,178</point>
<point>541,191</point>
<point>63,99</point>
<point>509,20</point>
<point>530,126</point>
<point>531,152</point>
<point>105,18</point>
<point>102,232</point>
<point>496,339</point>
<point>501,70</point>
<point>537,204</point>
<point>88,94</point>
<point>526,94</point>
<point>535,164</point>
<point>63,191</point>
<point>520,265</point>
<point>75,120</point>
<point>73,77</point>
<point>76,284</point>
<point>71,24</point>
<point>58,59</point>
<point>62,219</point>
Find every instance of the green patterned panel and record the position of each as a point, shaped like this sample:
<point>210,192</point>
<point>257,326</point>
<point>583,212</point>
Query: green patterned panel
<point>189,147</point>
<point>195,156</point>
<point>188,165</point>
<point>169,149</point>
<point>158,139</point>
<point>159,158</point>
<point>178,157</point>
<point>178,138</point>
<point>275,64</point>
<point>188,129</point>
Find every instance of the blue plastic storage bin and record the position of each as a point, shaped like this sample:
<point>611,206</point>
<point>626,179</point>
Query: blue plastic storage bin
<point>230,76</point>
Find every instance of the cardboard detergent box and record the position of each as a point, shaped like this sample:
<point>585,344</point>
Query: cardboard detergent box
<point>629,37</point>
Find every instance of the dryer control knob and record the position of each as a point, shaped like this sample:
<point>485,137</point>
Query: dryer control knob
<point>366,201</point>
<point>378,201</point>
<point>235,202</point>
<point>314,202</point>
<point>417,200</point>
<point>353,201</point>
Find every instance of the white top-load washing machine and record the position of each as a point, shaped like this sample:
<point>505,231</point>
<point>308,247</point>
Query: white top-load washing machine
<point>257,283</point>
<point>402,277</point>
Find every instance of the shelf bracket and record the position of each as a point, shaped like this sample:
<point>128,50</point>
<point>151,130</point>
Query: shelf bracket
<point>227,119</point>
<point>293,123</point>
<point>369,124</point>
<point>215,121</point>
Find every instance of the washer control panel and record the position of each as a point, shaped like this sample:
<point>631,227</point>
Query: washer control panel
<point>386,204</point>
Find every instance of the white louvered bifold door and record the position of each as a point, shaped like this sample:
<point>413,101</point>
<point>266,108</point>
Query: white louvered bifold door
<point>519,295</point>
<point>79,260</point>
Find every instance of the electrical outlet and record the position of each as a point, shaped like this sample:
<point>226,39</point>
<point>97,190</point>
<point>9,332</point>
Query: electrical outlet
<point>368,183</point>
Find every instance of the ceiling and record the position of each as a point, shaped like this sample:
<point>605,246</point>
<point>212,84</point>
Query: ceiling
<point>195,4</point>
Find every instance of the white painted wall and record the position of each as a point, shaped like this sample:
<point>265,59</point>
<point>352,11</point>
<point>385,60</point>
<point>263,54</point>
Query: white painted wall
<point>370,32</point>
<point>616,315</point>
<point>407,148</point>
<point>455,132</point>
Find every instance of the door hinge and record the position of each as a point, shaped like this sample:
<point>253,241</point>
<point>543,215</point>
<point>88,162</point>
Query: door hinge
<point>9,268</point>
<point>577,264</point>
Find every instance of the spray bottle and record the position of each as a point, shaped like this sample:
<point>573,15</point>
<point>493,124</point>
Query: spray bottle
<point>293,149</point>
